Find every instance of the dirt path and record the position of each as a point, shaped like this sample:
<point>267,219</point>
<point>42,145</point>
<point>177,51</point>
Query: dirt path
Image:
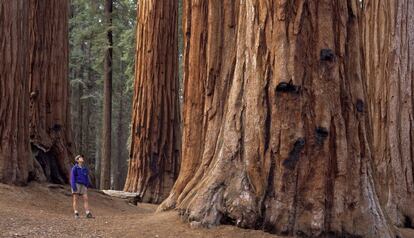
<point>40,211</point>
<point>43,211</point>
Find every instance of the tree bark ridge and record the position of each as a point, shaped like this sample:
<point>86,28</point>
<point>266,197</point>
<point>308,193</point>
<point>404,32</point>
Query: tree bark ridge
<point>14,93</point>
<point>388,39</point>
<point>154,154</point>
<point>272,135</point>
<point>50,128</point>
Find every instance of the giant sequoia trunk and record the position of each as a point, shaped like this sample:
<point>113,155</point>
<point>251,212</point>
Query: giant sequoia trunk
<point>34,91</point>
<point>14,93</point>
<point>153,164</point>
<point>50,129</point>
<point>389,66</point>
<point>275,129</point>
<point>105,180</point>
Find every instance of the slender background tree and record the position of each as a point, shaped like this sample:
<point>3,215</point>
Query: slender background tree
<point>105,181</point>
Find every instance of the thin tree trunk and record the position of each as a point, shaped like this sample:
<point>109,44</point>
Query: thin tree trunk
<point>14,93</point>
<point>80,117</point>
<point>389,53</point>
<point>274,135</point>
<point>91,118</point>
<point>154,157</point>
<point>120,142</point>
<point>105,181</point>
<point>125,130</point>
<point>98,161</point>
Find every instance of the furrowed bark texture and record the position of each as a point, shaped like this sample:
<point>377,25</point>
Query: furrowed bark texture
<point>154,155</point>
<point>105,180</point>
<point>14,93</point>
<point>50,129</point>
<point>35,88</point>
<point>389,54</point>
<point>273,134</point>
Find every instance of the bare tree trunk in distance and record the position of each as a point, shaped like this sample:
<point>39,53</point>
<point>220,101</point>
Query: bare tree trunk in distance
<point>105,181</point>
<point>389,66</point>
<point>274,136</point>
<point>116,166</point>
<point>14,93</point>
<point>154,154</point>
<point>120,143</point>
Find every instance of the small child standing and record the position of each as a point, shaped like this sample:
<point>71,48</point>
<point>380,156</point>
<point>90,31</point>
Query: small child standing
<point>79,181</point>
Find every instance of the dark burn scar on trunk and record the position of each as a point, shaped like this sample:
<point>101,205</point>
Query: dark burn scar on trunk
<point>292,160</point>
<point>327,55</point>
<point>408,222</point>
<point>321,134</point>
<point>56,127</point>
<point>360,105</point>
<point>284,87</point>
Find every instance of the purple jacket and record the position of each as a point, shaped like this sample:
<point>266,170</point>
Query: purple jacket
<point>79,175</point>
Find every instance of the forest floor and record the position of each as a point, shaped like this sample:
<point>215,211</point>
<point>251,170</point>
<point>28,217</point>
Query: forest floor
<point>38,210</point>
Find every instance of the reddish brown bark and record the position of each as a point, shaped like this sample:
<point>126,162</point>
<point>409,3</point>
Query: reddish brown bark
<point>105,180</point>
<point>154,157</point>
<point>275,130</point>
<point>389,53</point>
<point>14,93</point>
<point>36,61</point>
<point>50,129</point>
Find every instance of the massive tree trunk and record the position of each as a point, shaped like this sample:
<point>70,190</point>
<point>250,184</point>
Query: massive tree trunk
<point>154,154</point>
<point>105,181</point>
<point>275,130</point>
<point>50,129</point>
<point>35,88</point>
<point>14,93</point>
<point>389,54</point>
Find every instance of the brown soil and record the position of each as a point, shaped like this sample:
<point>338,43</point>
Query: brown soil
<point>39,210</point>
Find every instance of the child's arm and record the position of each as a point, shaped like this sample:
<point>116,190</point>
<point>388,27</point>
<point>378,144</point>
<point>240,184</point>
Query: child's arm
<point>72,179</point>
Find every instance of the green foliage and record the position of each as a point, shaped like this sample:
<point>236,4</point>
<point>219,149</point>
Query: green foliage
<point>124,40</point>
<point>87,41</point>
